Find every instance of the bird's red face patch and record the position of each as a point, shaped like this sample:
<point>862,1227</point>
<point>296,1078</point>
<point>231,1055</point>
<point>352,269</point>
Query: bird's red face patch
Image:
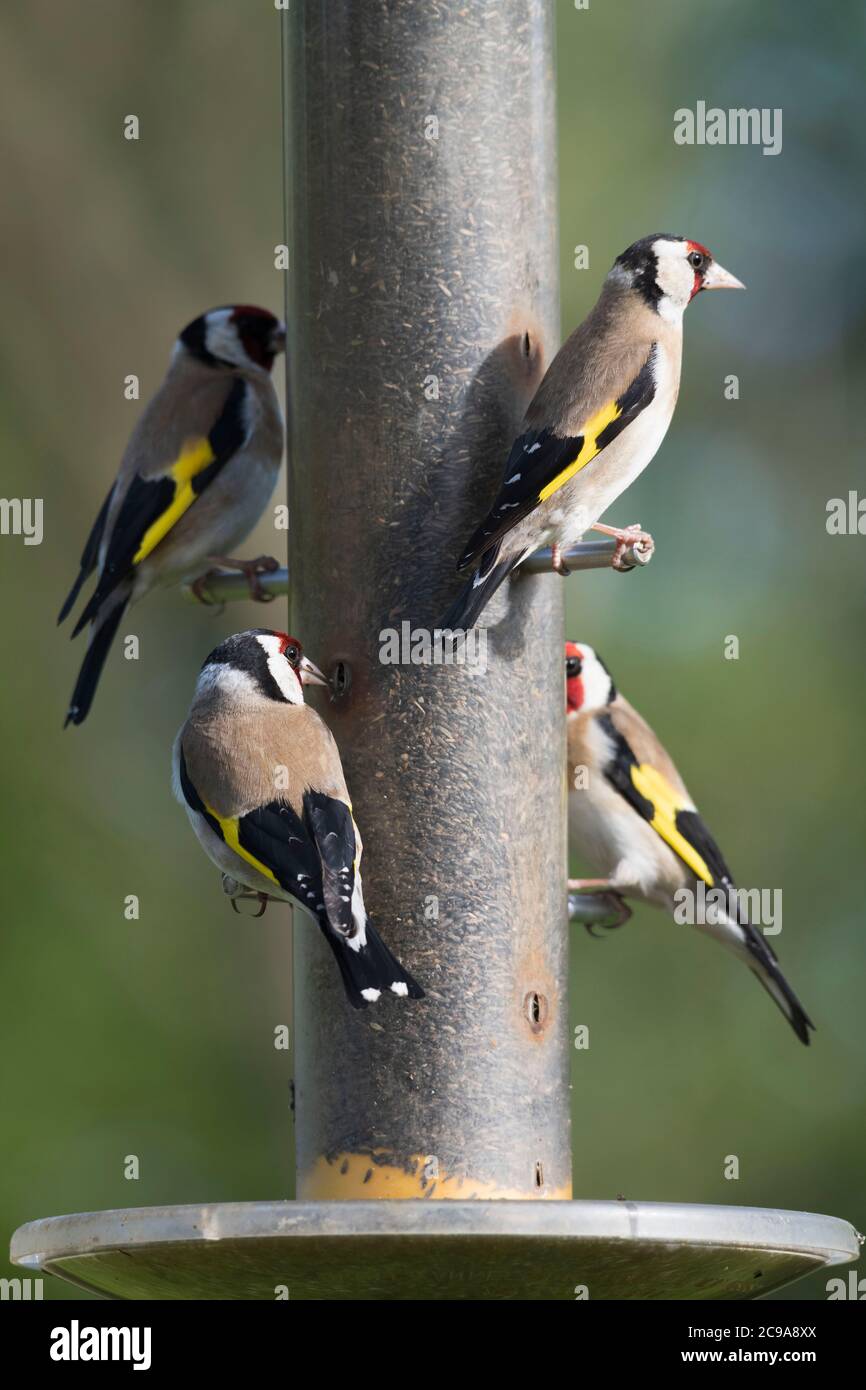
<point>252,311</point>
<point>574,694</point>
<point>255,329</point>
<point>696,249</point>
<point>290,648</point>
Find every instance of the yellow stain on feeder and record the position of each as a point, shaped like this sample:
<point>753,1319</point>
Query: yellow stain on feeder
<point>372,1176</point>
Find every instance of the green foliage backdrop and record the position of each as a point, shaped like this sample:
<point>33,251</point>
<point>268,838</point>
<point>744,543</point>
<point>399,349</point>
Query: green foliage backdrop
<point>155,1037</point>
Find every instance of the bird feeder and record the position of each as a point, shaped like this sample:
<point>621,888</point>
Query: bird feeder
<point>433,1142</point>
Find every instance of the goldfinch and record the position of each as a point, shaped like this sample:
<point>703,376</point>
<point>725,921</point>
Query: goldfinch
<point>595,422</point>
<point>197,473</point>
<point>632,820</point>
<point>260,776</point>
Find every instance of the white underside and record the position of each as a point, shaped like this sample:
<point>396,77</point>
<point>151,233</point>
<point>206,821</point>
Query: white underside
<point>583,501</point>
<point>612,841</point>
<point>216,524</point>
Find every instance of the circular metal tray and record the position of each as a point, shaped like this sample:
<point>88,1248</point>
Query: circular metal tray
<point>393,1250</point>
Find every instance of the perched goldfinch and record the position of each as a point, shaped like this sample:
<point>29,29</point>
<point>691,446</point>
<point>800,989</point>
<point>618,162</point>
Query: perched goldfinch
<point>598,417</point>
<point>631,818</point>
<point>197,474</point>
<point>261,779</point>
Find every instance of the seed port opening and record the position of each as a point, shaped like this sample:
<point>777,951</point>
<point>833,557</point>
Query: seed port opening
<point>341,680</point>
<point>535,1010</point>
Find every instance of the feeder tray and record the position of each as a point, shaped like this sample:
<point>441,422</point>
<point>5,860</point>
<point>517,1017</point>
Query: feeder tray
<point>429,1251</point>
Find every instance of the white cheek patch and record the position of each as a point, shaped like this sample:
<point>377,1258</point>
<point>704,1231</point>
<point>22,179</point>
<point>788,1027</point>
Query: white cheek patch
<point>220,337</point>
<point>674,277</point>
<point>287,681</point>
<point>284,675</point>
<point>596,681</point>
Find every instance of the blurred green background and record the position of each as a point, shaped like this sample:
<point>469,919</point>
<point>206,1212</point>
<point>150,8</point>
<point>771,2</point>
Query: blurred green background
<point>155,1037</point>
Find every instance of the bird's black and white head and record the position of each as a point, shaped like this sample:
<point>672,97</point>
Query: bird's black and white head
<point>668,271</point>
<point>258,664</point>
<point>238,336</point>
<point>588,682</point>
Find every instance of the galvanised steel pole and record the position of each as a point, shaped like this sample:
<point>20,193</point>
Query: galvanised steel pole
<point>423,306</point>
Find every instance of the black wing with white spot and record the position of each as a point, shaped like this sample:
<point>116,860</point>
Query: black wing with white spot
<point>152,506</point>
<point>333,830</point>
<point>534,456</point>
<point>273,840</point>
<point>276,838</point>
<point>312,857</point>
<point>541,461</point>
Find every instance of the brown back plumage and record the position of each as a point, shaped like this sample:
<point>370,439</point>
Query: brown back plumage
<point>642,740</point>
<point>246,754</point>
<point>162,429</point>
<point>645,744</point>
<point>600,360</point>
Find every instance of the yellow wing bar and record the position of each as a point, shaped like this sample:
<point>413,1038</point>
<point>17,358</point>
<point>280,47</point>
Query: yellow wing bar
<point>588,450</point>
<point>195,456</point>
<point>230,828</point>
<point>665,803</point>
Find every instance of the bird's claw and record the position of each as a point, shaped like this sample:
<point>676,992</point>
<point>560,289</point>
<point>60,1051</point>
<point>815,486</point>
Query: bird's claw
<point>619,908</point>
<point>237,893</point>
<point>261,898</point>
<point>633,547</point>
<point>199,588</point>
<point>251,569</point>
<point>263,564</point>
<point>620,911</point>
<point>556,561</point>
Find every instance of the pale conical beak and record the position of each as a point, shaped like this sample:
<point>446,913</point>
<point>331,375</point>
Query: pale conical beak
<point>310,674</point>
<point>717,278</point>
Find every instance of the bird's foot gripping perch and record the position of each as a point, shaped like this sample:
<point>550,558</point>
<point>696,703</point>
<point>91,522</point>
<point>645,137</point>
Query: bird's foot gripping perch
<point>633,546</point>
<point>556,561</point>
<point>606,896</point>
<point>252,569</point>
<point>237,893</point>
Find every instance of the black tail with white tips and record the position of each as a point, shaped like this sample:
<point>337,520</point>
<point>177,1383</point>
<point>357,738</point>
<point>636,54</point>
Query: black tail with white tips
<point>370,970</point>
<point>764,964</point>
<point>477,592</point>
<point>746,941</point>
